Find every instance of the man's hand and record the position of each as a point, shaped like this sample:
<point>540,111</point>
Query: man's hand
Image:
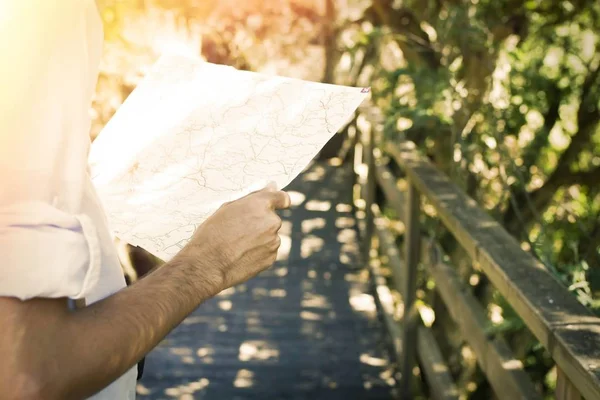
<point>241,238</point>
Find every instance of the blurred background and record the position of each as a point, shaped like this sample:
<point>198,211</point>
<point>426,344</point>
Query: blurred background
<point>502,95</point>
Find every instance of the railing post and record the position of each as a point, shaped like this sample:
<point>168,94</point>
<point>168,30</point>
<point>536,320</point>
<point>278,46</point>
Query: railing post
<point>409,326</point>
<point>369,191</point>
<point>565,390</point>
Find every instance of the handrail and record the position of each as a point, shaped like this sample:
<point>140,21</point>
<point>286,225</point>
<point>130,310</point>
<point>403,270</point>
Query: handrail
<point>436,371</point>
<point>493,353</point>
<point>565,327</point>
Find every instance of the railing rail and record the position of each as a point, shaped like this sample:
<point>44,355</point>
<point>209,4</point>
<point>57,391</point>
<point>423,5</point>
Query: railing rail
<point>563,326</point>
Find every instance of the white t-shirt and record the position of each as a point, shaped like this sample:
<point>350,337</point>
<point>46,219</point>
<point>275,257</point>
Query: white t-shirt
<point>54,237</point>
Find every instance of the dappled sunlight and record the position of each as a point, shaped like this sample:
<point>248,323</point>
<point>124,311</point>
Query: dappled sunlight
<point>344,222</point>
<point>286,241</point>
<point>225,305</point>
<point>205,351</point>
<point>286,228</point>
<point>347,235</point>
<point>495,313</point>
<point>318,205</point>
<point>359,277</point>
<point>284,249</point>
<point>308,225</point>
<point>257,350</point>
<point>310,316</point>
<point>343,208</point>
<point>373,361</point>
<point>345,258</point>
<point>512,364</point>
<point>312,300</point>
<point>427,314</point>
<point>296,198</point>
<point>244,379</point>
<point>203,319</point>
<point>188,360</point>
<point>385,297</point>
<point>362,302</point>
<point>181,351</point>
<point>264,292</point>
<point>315,174</point>
<point>310,245</point>
<point>141,389</point>
<point>186,391</point>
<point>277,293</point>
<point>228,292</point>
<point>387,375</point>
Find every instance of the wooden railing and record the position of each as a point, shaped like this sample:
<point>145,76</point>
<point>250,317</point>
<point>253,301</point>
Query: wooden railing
<point>569,332</point>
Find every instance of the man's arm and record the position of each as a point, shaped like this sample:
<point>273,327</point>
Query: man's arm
<point>49,352</point>
<point>56,354</point>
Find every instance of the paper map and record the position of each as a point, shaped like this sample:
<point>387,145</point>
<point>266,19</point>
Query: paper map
<point>194,135</point>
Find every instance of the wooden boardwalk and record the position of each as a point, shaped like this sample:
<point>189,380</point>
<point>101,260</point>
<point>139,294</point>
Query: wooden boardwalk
<point>306,329</point>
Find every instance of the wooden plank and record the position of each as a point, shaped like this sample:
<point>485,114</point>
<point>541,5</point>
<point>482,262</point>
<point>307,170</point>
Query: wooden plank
<point>349,142</point>
<point>387,243</point>
<point>393,326</point>
<point>504,372</point>
<point>412,240</point>
<point>434,367</point>
<point>432,363</point>
<point>386,310</point>
<point>564,388</point>
<point>394,197</point>
<point>370,186</point>
<point>493,355</point>
<point>564,326</point>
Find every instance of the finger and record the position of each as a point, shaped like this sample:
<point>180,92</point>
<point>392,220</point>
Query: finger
<point>271,186</point>
<point>280,200</point>
<point>276,243</point>
<point>276,223</point>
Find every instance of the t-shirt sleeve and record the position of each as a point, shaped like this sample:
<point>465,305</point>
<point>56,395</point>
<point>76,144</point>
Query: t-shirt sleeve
<point>47,247</point>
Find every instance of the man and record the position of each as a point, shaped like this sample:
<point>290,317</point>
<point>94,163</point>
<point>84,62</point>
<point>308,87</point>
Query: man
<point>55,245</point>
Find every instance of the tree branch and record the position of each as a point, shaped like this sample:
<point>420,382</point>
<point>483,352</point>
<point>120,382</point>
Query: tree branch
<point>588,247</point>
<point>587,178</point>
<point>329,41</point>
<point>418,48</point>
<point>541,197</point>
<point>533,149</point>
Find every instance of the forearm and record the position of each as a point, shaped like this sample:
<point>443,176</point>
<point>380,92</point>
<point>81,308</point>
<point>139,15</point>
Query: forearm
<point>86,350</point>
